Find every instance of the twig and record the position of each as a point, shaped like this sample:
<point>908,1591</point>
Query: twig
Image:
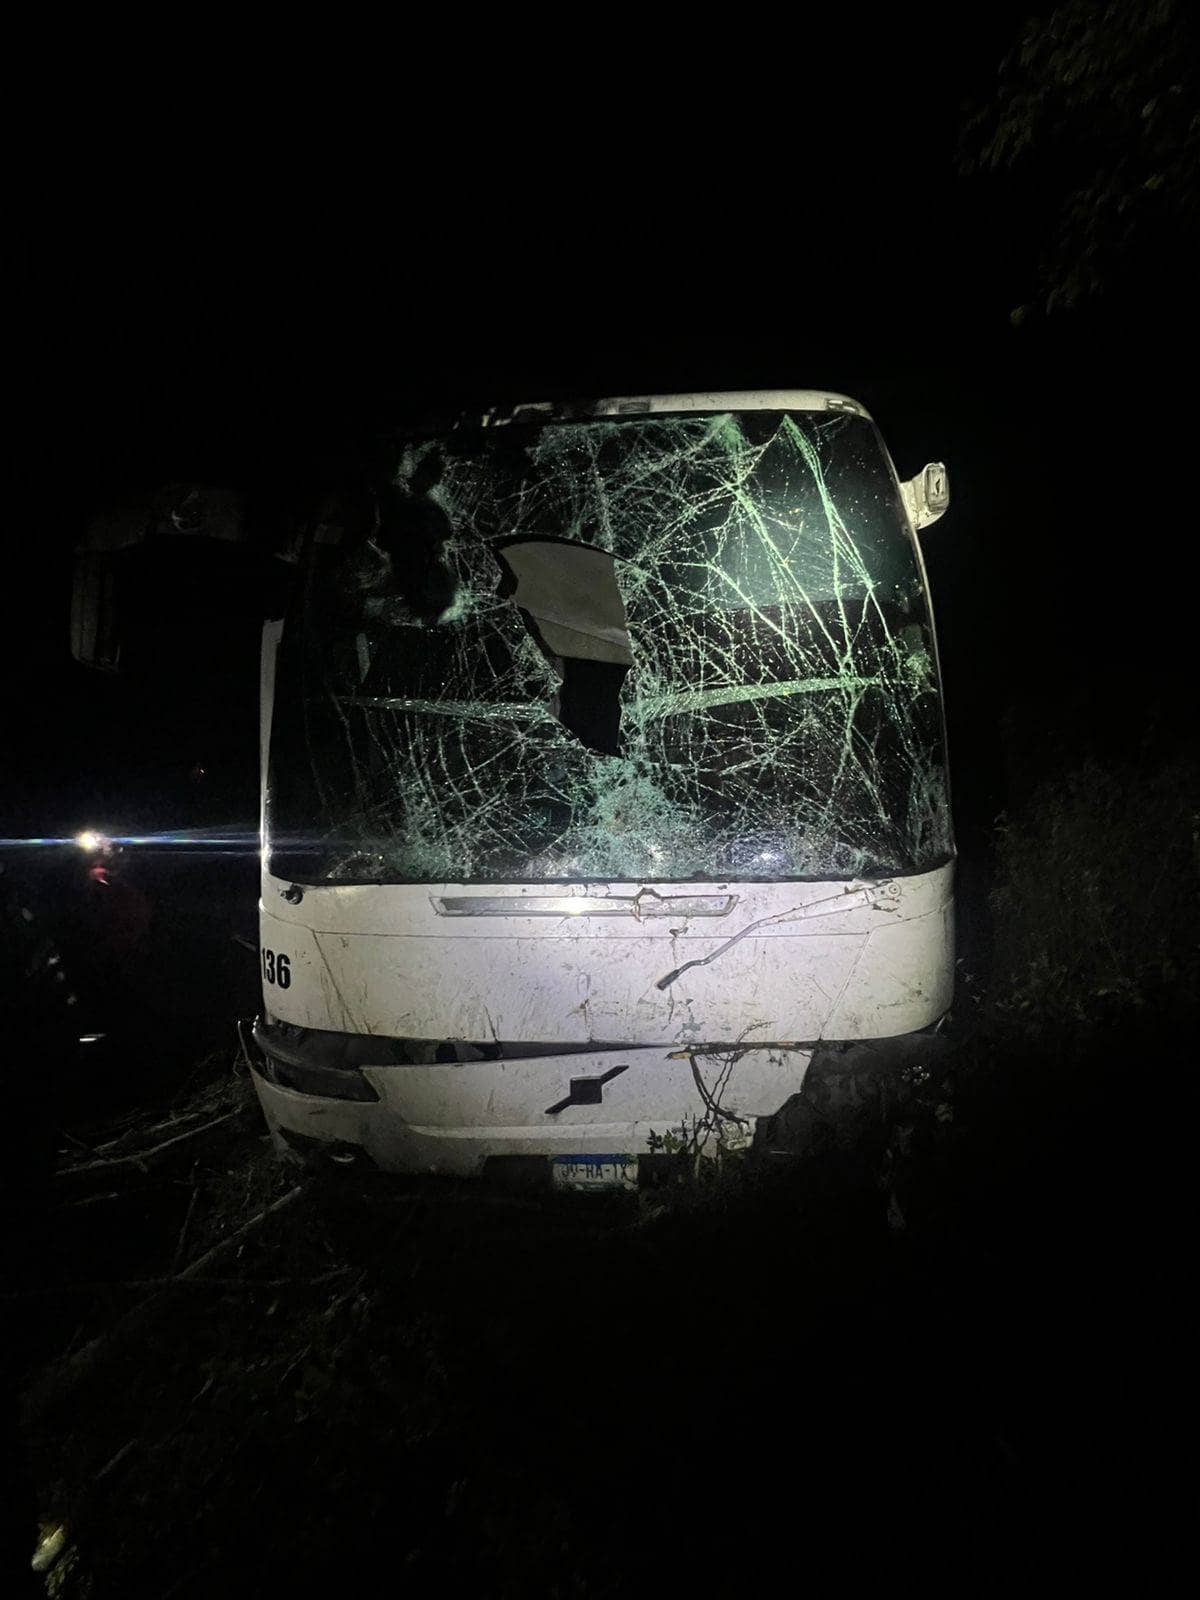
<point>131,1127</point>
<point>82,1144</point>
<point>94,1199</point>
<point>239,1233</point>
<point>175,1259</point>
<point>83,1362</point>
<point>192,1572</point>
<point>116,1461</point>
<point>104,1286</point>
<point>139,1157</point>
<point>71,1342</point>
<point>299,1361</point>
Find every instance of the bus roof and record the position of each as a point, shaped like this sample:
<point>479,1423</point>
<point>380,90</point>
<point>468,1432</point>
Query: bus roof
<point>721,400</point>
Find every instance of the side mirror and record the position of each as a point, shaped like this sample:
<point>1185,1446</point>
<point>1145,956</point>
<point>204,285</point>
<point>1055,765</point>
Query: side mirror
<point>926,497</point>
<point>95,634</point>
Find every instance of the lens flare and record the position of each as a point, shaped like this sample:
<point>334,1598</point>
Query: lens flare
<point>210,841</point>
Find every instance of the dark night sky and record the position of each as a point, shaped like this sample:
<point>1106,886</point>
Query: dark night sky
<point>236,307</point>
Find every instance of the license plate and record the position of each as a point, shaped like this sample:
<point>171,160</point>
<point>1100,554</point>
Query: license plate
<point>594,1172</point>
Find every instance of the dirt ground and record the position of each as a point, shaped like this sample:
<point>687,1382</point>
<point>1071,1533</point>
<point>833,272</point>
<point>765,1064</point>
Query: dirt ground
<point>937,1349</point>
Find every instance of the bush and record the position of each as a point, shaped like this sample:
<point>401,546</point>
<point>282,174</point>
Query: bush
<point>1095,899</point>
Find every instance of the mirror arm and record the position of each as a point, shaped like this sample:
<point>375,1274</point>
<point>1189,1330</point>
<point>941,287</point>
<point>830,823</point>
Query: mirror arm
<point>926,496</point>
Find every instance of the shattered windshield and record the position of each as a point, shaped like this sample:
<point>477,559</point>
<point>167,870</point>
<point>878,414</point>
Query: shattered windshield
<point>668,647</point>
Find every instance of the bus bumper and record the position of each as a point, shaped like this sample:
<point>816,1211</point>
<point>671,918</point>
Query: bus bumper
<point>591,1116</point>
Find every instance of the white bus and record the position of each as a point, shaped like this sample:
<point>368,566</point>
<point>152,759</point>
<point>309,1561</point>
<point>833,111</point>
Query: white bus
<point>604,783</point>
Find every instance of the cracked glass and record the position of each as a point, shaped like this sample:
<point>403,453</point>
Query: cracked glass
<point>657,648</point>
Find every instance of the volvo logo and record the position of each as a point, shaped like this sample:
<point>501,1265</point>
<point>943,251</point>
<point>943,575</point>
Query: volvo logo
<point>586,1091</point>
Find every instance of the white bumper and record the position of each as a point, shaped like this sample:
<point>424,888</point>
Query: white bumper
<point>450,1117</point>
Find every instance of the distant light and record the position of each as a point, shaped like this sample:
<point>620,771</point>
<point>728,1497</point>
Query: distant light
<point>90,1038</point>
<point>89,840</point>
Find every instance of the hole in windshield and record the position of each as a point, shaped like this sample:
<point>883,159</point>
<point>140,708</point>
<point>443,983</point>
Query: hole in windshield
<point>567,595</point>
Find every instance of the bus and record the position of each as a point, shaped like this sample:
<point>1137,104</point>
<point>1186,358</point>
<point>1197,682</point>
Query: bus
<point>604,787</point>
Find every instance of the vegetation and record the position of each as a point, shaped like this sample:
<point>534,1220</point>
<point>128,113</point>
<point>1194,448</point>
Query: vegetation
<point>1099,101</point>
<point>895,1343</point>
<point>1094,905</point>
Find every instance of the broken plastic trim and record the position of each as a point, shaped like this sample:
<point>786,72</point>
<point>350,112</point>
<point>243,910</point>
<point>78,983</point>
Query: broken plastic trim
<point>306,1063</point>
<point>645,904</point>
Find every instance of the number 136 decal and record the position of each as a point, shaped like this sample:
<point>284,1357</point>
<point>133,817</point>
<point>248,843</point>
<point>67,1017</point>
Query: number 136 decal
<point>276,969</point>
